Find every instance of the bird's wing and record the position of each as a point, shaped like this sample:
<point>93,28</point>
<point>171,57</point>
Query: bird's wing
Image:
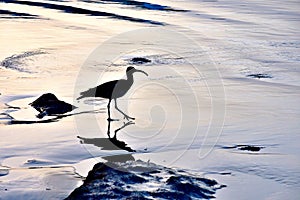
<point>114,88</point>
<point>105,90</point>
<point>88,93</point>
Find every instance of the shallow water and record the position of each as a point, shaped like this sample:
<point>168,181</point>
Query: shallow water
<point>202,98</point>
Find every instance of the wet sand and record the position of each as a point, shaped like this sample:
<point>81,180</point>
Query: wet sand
<point>52,46</point>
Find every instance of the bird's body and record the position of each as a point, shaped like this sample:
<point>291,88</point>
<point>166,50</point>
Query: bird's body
<point>112,89</point>
<point>119,88</point>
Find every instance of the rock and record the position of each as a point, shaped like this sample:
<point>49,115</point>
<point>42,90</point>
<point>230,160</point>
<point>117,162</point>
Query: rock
<point>250,148</point>
<point>49,104</point>
<point>143,180</point>
<point>259,76</point>
<point>140,60</point>
<point>245,148</point>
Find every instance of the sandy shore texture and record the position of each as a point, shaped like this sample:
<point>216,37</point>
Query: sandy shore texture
<point>220,106</point>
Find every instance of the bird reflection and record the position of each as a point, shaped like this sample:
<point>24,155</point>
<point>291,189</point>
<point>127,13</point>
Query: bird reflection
<point>110,143</point>
<point>119,158</point>
<point>113,90</point>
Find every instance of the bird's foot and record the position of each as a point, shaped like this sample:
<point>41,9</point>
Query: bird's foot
<point>128,118</point>
<point>128,123</point>
<point>111,120</point>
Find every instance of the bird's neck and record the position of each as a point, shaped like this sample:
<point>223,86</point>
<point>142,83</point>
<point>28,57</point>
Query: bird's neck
<point>130,78</point>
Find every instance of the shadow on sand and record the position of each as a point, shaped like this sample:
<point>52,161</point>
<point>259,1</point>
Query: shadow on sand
<point>110,143</point>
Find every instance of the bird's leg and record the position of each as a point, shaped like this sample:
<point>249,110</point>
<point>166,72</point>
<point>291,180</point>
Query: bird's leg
<point>124,125</point>
<point>125,116</point>
<point>108,129</point>
<point>108,107</point>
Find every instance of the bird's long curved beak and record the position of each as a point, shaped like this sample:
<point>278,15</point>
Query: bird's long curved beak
<point>141,72</point>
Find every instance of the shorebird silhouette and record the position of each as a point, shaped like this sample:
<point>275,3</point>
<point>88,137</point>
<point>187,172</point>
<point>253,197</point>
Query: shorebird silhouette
<point>113,90</point>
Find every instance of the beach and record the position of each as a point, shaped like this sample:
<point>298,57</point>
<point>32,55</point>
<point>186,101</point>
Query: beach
<point>220,103</point>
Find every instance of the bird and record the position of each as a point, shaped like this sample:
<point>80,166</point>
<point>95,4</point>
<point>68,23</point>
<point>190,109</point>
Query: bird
<point>113,90</point>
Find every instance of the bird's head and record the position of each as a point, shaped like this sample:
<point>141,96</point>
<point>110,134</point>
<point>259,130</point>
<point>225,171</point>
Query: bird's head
<point>131,70</point>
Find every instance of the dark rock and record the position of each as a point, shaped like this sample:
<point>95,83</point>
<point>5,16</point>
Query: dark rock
<point>245,147</point>
<point>259,76</point>
<point>186,186</point>
<point>140,60</point>
<point>129,180</point>
<point>49,104</point>
<point>250,148</point>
